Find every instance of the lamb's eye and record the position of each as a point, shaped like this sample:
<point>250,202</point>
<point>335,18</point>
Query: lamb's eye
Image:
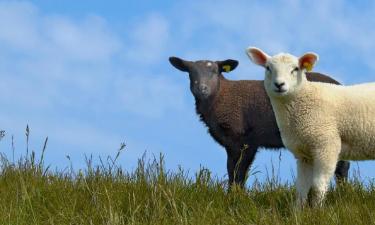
<point>294,70</point>
<point>268,68</point>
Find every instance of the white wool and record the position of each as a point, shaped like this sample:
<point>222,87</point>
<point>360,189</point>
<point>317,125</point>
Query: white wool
<point>321,123</point>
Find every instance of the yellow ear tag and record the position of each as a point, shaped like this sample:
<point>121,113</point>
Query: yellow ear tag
<point>226,68</point>
<point>308,66</point>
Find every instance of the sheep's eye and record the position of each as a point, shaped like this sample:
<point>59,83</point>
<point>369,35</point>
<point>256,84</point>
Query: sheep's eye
<point>294,70</point>
<point>268,68</point>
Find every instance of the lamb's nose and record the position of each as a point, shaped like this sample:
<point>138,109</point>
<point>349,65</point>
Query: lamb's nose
<point>279,85</point>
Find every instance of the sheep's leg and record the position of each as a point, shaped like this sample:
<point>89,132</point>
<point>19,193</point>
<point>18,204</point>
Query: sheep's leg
<point>323,170</point>
<point>238,163</point>
<point>231,162</point>
<point>243,163</point>
<point>342,170</point>
<point>304,180</point>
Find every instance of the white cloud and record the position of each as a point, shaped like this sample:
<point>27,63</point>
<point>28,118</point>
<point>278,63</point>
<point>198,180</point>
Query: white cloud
<point>50,67</point>
<point>88,40</point>
<point>56,70</point>
<point>18,25</point>
<point>44,57</point>
<point>26,30</point>
<point>337,30</point>
<point>150,96</point>
<point>149,38</point>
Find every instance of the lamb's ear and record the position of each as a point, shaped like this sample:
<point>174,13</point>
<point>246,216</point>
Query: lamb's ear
<point>308,60</point>
<point>227,65</point>
<point>180,64</point>
<point>257,56</point>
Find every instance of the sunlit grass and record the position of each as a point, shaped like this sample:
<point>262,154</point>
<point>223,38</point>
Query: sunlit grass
<point>31,193</point>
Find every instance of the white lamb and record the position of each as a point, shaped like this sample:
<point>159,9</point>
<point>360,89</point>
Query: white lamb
<point>319,123</point>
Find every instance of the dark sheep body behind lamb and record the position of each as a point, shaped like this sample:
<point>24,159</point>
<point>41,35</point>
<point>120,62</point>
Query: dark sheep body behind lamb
<point>238,114</point>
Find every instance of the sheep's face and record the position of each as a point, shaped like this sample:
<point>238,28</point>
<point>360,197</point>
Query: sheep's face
<point>204,74</point>
<point>285,73</point>
<point>282,75</point>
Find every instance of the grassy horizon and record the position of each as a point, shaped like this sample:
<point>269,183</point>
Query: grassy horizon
<point>31,193</point>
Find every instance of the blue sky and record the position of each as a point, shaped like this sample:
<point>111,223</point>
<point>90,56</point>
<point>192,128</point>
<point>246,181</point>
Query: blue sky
<point>92,74</point>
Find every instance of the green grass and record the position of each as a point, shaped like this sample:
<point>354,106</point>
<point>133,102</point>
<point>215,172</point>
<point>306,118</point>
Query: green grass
<point>30,193</point>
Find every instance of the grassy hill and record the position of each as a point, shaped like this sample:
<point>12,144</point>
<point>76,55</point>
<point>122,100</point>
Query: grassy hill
<point>31,193</point>
<point>105,194</point>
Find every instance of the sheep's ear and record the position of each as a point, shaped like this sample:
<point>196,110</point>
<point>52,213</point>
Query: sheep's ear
<point>227,65</point>
<point>257,56</point>
<point>307,61</point>
<point>180,64</point>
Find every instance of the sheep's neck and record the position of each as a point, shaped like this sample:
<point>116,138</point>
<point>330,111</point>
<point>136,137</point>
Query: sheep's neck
<point>284,108</point>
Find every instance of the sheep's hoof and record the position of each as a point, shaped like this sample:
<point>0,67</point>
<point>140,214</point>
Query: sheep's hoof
<point>315,198</point>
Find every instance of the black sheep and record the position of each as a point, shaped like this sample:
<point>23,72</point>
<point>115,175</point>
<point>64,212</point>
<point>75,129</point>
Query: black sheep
<point>238,114</point>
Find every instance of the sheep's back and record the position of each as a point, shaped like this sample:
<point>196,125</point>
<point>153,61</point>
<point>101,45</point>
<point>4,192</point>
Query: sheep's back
<point>323,113</point>
<point>356,119</point>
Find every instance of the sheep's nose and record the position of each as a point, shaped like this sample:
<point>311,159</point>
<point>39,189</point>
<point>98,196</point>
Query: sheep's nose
<point>203,88</point>
<point>279,85</point>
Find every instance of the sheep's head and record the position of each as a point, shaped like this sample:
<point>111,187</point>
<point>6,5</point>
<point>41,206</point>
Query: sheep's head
<point>204,74</point>
<point>285,73</point>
